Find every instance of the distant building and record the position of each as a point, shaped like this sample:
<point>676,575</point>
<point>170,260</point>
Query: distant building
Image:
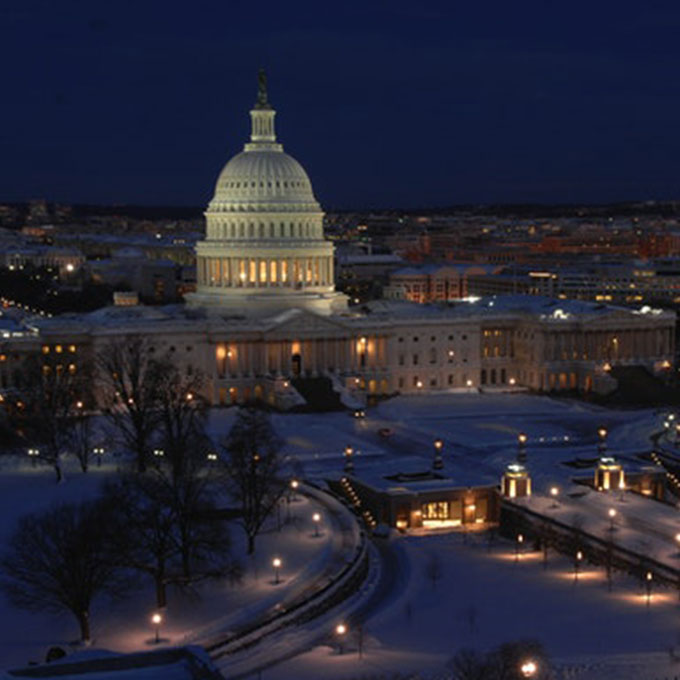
<point>433,282</point>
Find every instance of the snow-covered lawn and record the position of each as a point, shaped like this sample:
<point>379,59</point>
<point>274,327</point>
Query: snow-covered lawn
<point>214,607</point>
<point>486,597</point>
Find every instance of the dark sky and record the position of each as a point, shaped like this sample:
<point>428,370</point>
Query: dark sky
<point>384,103</point>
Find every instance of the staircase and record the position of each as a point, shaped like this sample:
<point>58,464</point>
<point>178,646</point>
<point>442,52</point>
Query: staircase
<point>354,499</point>
<point>319,395</point>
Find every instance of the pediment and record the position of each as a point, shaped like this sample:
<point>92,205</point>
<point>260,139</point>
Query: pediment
<point>298,321</point>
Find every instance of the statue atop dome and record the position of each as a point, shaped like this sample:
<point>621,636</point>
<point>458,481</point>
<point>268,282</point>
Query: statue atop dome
<point>262,101</point>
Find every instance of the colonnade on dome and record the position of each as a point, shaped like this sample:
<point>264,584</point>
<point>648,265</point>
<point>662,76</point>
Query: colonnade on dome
<point>265,272</point>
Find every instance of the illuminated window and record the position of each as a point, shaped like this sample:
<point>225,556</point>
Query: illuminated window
<point>72,369</point>
<point>72,349</point>
<point>3,357</point>
<point>58,349</point>
<point>438,510</point>
<point>45,349</point>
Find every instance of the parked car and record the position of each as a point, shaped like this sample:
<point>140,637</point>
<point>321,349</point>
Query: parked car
<point>385,432</point>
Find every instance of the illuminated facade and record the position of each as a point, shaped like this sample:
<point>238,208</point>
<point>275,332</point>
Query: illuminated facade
<point>264,249</point>
<point>266,313</point>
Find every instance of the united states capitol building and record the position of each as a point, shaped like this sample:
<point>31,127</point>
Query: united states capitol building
<point>265,316</point>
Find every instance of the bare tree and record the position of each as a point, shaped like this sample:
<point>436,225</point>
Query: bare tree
<point>50,399</point>
<point>200,530</point>
<point>182,416</point>
<point>82,437</point>
<point>252,467</point>
<point>142,530</point>
<point>171,529</point>
<point>59,560</point>
<point>469,664</point>
<point>130,376</point>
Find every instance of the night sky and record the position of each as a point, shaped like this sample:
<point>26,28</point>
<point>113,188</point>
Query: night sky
<point>394,104</point>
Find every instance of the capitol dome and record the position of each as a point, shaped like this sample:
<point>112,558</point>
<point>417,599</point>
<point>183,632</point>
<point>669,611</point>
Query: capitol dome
<point>255,179</point>
<point>264,250</point>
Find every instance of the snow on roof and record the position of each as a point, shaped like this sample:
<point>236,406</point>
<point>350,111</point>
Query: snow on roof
<point>414,474</point>
<point>178,663</point>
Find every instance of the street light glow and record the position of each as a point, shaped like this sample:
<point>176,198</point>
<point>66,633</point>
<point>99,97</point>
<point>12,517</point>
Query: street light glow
<point>528,669</point>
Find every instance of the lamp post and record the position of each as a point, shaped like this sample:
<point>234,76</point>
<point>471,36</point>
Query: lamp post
<point>677,434</point>
<point>33,455</point>
<point>612,515</point>
<point>522,448</point>
<point>554,493</point>
<point>577,564</point>
<point>340,632</point>
<point>349,463</point>
<point>316,518</point>
<point>157,619</point>
<point>518,544</point>
<point>438,462</point>
<point>528,668</point>
<point>648,586</point>
<point>276,563</point>
<point>294,484</point>
<point>602,441</point>
<point>98,452</point>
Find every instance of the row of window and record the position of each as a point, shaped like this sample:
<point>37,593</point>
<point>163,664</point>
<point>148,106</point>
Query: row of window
<point>415,358</point>
<point>277,183</point>
<point>433,338</point>
<point>418,382</point>
<point>242,230</point>
<point>46,349</point>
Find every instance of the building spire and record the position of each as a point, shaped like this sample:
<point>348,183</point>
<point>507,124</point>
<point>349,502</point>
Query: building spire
<point>262,101</point>
<point>262,118</point>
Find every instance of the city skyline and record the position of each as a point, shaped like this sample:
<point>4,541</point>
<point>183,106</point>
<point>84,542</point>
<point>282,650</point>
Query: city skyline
<point>411,107</point>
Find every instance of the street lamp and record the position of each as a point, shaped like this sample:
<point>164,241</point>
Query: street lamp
<point>340,632</point>
<point>157,619</point>
<point>612,514</point>
<point>577,564</point>
<point>33,455</point>
<point>554,493</point>
<point>528,669</point>
<point>294,484</point>
<point>276,563</point>
<point>316,518</point>
<point>438,462</point>
<point>522,447</point>
<point>648,586</point>
<point>602,443</point>
<point>98,452</point>
<point>520,541</point>
<point>349,463</point>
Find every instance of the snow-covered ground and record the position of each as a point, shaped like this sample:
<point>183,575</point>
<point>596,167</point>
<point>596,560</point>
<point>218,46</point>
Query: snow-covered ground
<point>214,608</point>
<point>483,598</point>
